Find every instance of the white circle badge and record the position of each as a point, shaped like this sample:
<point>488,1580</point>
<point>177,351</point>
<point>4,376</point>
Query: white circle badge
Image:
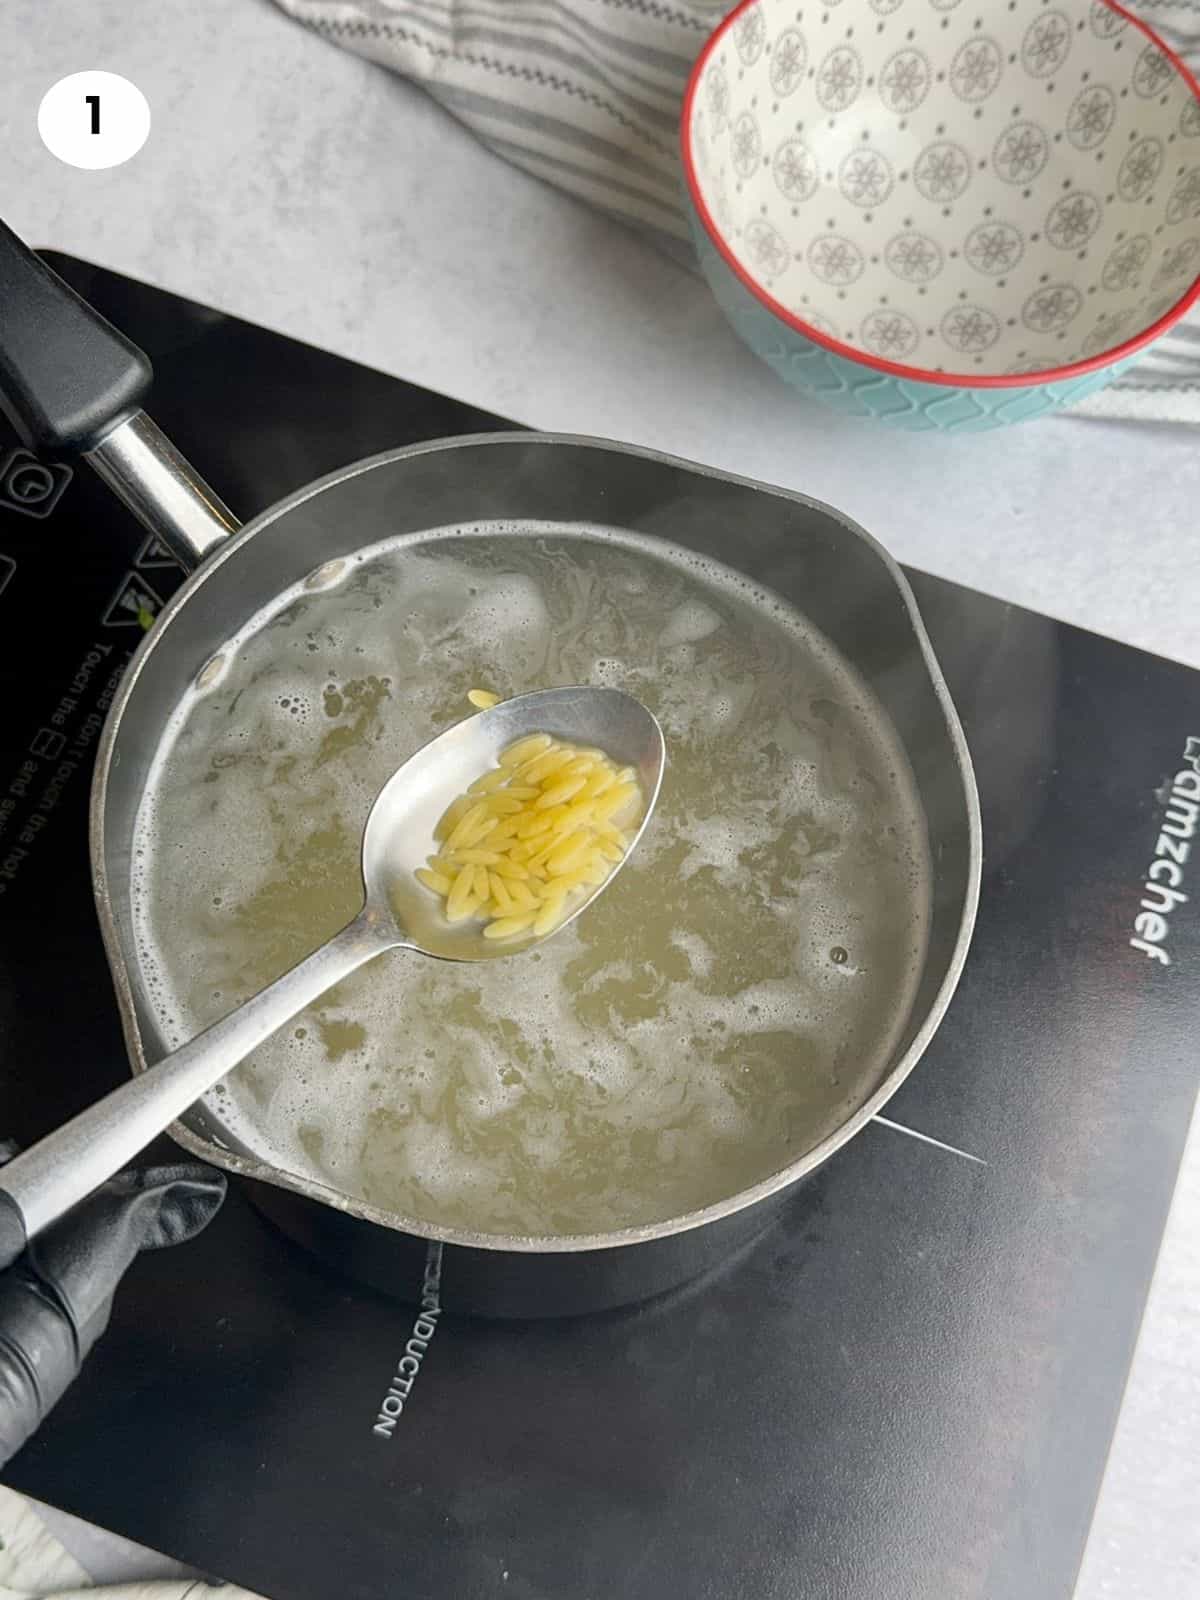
<point>94,119</point>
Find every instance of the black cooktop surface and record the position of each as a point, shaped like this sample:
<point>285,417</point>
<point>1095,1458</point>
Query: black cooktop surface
<point>906,1390</point>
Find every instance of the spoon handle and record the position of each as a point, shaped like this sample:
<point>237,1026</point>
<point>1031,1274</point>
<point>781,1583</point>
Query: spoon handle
<point>45,1181</point>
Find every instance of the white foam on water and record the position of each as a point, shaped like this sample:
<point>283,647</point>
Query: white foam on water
<point>689,623</point>
<point>692,1033</point>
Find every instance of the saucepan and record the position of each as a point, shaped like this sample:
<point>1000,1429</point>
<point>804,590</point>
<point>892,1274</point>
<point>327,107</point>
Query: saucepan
<point>74,387</point>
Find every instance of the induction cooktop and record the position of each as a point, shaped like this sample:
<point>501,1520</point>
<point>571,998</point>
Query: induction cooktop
<point>905,1388</point>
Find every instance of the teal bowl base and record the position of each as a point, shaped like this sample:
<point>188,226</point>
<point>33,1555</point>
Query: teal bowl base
<point>859,391</point>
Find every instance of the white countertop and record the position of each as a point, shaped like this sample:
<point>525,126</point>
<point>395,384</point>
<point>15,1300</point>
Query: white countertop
<point>298,186</point>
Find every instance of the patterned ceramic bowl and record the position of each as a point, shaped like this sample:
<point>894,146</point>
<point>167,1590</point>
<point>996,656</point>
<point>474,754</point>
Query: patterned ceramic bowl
<point>944,213</point>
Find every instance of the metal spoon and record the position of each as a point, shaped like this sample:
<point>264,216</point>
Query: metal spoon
<point>59,1171</point>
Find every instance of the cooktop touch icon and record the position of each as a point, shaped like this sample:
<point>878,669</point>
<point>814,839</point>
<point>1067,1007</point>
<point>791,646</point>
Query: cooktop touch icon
<point>30,486</point>
<point>135,605</point>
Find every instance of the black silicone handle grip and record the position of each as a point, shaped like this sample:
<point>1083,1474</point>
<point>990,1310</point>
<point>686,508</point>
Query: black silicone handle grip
<point>12,1230</point>
<point>67,377</point>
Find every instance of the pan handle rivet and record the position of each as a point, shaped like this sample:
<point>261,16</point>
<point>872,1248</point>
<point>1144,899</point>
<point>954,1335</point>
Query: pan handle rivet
<point>325,576</point>
<point>210,672</point>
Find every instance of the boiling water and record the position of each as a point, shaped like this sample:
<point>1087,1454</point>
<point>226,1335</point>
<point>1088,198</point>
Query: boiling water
<point>701,1026</point>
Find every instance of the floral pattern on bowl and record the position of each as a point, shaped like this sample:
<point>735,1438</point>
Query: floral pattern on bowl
<point>950,189</point>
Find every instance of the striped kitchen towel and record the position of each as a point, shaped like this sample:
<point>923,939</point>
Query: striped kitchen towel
<point>587,93</point>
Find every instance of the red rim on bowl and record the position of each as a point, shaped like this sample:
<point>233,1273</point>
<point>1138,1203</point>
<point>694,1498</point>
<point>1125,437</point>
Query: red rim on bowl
<point>1007,380</point>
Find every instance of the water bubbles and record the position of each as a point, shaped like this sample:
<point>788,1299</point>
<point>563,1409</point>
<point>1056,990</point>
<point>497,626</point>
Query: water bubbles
<point>475,1092</point>
<point>295,705</point>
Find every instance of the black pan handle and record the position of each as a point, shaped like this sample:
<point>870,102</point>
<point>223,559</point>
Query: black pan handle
<point>71,384</point>
<point>67,376</point>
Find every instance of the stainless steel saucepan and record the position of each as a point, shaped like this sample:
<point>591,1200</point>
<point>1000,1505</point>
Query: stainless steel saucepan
<point>74,386</point>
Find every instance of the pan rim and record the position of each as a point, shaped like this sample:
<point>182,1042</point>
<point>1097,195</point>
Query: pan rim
<point>537,1244</point>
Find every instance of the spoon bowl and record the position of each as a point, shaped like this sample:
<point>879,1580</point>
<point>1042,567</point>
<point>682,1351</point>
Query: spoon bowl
<point>44,1182</point>
<point>399,831</point>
